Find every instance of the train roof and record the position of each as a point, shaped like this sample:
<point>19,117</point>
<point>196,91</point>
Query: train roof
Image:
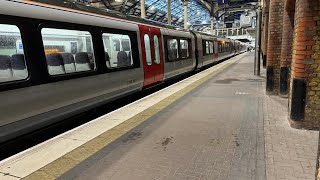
<point>106,12</point>
<point>110,13</point>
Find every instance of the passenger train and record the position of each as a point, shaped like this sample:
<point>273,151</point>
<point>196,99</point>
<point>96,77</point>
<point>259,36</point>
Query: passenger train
<point>57,61</point>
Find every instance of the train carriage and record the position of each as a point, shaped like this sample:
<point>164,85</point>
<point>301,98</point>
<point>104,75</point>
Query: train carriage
<point>57,62</point>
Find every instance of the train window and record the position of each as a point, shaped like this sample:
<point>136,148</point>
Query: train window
<point>147,48</point>
<point>12,62</point>
<point>211,47</point>
<point>184,47</point>
<point>117,49</point>
<point>207,48</point>
<point>156,49</point>
<point>68,51</point>
<point>173,53</point>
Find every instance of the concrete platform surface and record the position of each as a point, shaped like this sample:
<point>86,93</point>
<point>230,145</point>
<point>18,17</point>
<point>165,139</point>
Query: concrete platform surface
<point>214,132</point>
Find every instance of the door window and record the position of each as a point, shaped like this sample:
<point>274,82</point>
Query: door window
<point>156,49</point>
<point>147,49</point>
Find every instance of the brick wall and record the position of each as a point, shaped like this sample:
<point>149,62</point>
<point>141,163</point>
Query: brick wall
<point>274,45</point>
<point>306,59</point>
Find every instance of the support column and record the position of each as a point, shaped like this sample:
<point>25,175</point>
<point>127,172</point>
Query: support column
<point>264,44</point>
<point>274,46</point>
<point>185,5</point>
<point>211,28</point>
<point>143,8</point>
<point>169,12</point>
<point>305,69</point>
<point>212,16</point>
<point>258,43</point>
<point>286,49</point>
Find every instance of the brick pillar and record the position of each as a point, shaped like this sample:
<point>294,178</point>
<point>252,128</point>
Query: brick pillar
<point>274,45</point>
<point>286,49</point>
<point>264,44</point>
<point>305,70</point>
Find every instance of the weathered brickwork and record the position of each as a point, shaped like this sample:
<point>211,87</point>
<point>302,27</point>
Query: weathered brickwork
<point>287,42</point>
<point>274,45</point>
<point>306,56</point>
<point>295,24</point>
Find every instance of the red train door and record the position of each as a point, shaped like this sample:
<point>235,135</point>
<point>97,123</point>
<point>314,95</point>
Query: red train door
<point>151,43</point>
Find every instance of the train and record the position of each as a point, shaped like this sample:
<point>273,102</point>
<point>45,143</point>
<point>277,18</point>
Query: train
<point>57,62</point>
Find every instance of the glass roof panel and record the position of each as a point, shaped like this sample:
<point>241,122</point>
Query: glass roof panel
<point>196,11</point>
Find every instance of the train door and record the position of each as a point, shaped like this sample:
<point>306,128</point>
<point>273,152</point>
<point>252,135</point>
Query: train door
<point>151,43</point>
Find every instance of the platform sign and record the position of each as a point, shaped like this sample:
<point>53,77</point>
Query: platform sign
<point>222,2</point>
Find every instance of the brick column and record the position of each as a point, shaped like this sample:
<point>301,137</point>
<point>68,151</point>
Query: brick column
<point>286,49</point>
<point>274,46</point>
<point>305,72</point>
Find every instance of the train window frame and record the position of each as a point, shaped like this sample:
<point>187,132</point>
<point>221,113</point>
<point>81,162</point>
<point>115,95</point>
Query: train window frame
<point>135,52</point>
<point>179,48</point>
<point>204,42</point>
<point>25,54</point>
<point>207,47</point>
<point>220,46</point>
<point>166,39</point>
<point>133,62</point>
<point>72,27</point>
<point>211,49</point>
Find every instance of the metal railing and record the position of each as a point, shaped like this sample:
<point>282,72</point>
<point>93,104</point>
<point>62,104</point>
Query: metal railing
<point>231,32</point>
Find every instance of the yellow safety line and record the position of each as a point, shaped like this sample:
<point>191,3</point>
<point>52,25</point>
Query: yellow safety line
<point>65,163</point>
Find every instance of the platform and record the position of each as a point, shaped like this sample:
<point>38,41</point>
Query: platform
<point>217,124</point>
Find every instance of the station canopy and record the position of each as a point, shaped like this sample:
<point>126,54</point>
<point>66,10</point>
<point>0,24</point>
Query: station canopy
<point>198,10</point>
<point>157,10</point>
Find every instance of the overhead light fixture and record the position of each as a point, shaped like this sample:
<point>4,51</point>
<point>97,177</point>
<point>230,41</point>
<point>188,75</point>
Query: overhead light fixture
<point>152,8</point>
